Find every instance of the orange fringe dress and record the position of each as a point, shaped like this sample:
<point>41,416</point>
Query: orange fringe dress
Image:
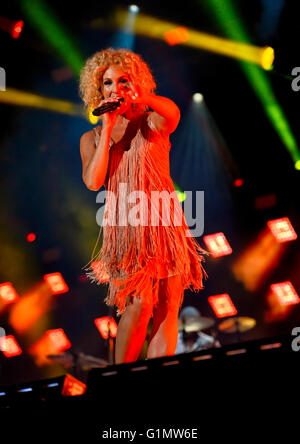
<point>134,257</point>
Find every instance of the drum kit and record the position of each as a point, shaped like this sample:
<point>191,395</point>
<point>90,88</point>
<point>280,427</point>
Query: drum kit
<point>234,325</point>
<point>230,325</point>
<point>77,361</point>
<point>191,324</point>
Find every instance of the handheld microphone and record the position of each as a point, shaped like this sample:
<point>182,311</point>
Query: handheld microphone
<point>107,107</point>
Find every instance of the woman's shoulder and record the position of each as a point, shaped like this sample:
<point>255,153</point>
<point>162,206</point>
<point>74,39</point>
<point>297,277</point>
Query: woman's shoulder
<point>96,132</point>
<point>91,133</point>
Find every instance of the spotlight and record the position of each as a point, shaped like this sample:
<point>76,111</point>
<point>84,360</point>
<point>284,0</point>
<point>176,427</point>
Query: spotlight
<point>222,305</point>
<point>197,97</point>
<point>17,29</point>
<point>134,8</point>
<point>31,237</point>
<point>238,182</point>
<point>13,27</point>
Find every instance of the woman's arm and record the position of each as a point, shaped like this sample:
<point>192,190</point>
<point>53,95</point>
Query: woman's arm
<point>95,158</point>
<point>166,115</point>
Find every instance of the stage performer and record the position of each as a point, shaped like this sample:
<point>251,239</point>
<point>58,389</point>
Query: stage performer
<point>147,265</point>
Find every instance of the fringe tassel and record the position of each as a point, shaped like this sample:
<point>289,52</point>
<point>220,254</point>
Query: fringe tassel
<point>143,284</point>
<point>129,257</point>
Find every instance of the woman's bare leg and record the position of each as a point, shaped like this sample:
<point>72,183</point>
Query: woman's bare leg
<point>132,330</point>
<point>164,333</point>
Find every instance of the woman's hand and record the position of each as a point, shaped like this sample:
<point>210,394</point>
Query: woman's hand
<point>135,94</point>
<point>109,118</point>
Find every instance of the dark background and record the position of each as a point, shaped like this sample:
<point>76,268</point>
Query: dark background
<point>42,190</point>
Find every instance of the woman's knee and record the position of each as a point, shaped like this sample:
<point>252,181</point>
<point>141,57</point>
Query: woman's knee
<point>170,297</point>
<point>139,308</point>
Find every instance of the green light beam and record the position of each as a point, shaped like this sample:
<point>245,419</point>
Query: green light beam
<point>44,20</point>
<point>230,22</point>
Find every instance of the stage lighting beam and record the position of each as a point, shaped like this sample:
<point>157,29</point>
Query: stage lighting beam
<point>17,97</point>
<point>231,24</point>
<point>156,28</point>
<point>40,15</point>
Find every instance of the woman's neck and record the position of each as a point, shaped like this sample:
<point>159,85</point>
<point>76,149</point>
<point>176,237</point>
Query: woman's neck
<point>129,114</point>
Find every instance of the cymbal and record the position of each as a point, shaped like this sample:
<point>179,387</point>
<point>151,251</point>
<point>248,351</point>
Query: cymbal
<point>65,359</point>
<point>237,324</point>
<point>84,361</point>
<point>195,323</point>
<point>87,361</point>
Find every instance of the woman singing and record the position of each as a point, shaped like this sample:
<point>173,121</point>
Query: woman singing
<point>147,265</point>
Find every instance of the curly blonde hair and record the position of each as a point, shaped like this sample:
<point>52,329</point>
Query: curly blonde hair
<point>91,75</point>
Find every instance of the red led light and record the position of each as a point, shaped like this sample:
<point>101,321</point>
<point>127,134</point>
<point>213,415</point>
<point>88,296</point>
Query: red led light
<point>104,323</point>
<point>217,244</point>
<point>238,182</point>
<point>282,229</point>
<point>177,35</point>
<point>17,29</point>
<point>9,346</point>
<point>31,237</point>
<point>8,294</point>
<point>222,305</point>
<point>58,339</point>
<point>72,386</point>
<point>56,283</point>
<point>285,293</point>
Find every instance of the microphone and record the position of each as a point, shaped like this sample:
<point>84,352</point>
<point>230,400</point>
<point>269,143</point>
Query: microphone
<point>107,107</point>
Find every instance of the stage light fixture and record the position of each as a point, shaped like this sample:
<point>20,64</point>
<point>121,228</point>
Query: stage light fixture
<point>17,29</point>
<point>238,183</point>
<point>222,305</point>
<point>72,386</point>
<point>198,98</point>
<point>30,237</point>
<point>10,347</point>
<point>106,324</point>
<point>217,244</point>
<point>282,229</point>
<point>59,339</point>
<point>134,8</point>
<point>7,293</point>
<point>14,28</point>
<point>285,293</point>
<point>176,36</point>
<point>56,283</point>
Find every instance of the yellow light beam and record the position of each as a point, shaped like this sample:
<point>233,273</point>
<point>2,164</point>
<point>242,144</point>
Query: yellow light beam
<point>17,97</point>
<point>156,28</point>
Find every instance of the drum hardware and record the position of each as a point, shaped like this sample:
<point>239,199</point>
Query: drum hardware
<point>237,324</point>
